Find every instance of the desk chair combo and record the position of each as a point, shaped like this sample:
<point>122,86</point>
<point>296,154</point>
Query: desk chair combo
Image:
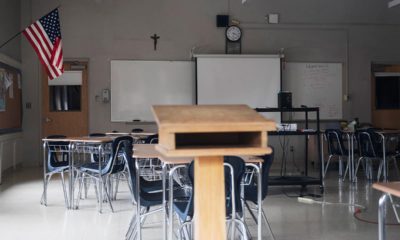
<point>56,161</point>
<point>107,166</point>
<point>336,148</point>
<point>253,188</point>
<point>148,196</point>
<point>234,170</point>
<point>370,149</point>
<point>151,168</point>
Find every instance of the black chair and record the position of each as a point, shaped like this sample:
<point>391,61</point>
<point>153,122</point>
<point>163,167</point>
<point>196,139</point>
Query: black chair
<point>151,168</point>
<point>251,189</point>
<point>370,149</point>
<point>55,162</point>
<point>102,170</point>
<point>152,139</point>
<point>234,170</point>
<point>95,157</point>
<point>144,196</point>
<point>336,148</point>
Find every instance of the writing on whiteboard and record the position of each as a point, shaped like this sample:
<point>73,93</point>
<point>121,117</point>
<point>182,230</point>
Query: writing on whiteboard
<point>315,85</point>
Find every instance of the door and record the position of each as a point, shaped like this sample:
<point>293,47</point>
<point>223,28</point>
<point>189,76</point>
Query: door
<point>385,96</point>
<point>65,101</point>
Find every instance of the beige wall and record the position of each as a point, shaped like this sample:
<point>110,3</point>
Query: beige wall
<point>10,15</point>
<point>353,32</point>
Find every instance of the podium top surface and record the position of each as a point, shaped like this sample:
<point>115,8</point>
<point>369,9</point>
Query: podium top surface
<point>208,118</point>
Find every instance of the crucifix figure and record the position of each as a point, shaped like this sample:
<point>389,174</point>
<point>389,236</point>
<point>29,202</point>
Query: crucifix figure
<point>155,38</point>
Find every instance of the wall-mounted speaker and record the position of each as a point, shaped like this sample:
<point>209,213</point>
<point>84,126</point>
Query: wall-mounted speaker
<point>222,20</point>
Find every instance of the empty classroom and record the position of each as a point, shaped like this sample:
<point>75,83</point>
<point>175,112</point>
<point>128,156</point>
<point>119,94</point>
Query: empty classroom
<point>224,119</point>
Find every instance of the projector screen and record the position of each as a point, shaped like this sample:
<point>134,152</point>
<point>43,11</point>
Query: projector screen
<point>254,80</point>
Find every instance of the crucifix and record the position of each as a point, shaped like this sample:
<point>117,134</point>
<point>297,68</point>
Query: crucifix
<point>155,38</point>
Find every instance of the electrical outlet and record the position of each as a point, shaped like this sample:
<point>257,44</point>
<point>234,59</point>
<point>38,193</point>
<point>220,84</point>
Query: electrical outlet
<point>292,148</point>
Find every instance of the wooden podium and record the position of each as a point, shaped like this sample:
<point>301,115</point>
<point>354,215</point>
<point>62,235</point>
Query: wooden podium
<point>209,132</point>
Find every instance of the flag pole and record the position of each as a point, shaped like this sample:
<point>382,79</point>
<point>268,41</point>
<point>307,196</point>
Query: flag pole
<point>16,35</point>
<point>9,40</point>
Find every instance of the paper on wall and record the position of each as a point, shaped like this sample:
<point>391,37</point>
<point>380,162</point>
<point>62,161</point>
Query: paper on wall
<point>11,91</point>
<point>8,80</point>
<point>19,81</point>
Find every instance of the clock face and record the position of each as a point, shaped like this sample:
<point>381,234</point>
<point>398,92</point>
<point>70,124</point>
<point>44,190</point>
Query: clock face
<point>233,33</point>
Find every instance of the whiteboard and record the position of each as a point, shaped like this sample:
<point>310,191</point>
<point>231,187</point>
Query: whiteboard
<point>239,79</point>
<point>136,85</point>
<point>315,85</point>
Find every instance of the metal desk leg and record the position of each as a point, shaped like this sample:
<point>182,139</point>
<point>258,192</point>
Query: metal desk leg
<point>384,159</point>
<point>353,173</point>
<point>138,210</point>
<point>322,156</point>
<point>164,173</point>
<point>101,193</point>
<point>382,216</point>
<point>43,201</point>
<point>171,201</point>
<point>71,176</point>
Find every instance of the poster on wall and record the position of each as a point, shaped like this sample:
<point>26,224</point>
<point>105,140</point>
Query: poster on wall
<point>3,90</point>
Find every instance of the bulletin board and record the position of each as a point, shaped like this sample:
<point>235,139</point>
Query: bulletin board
<point>10,99</point>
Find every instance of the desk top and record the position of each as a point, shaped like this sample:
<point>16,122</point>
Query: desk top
<point>84,139</point>
<point>133,134</point>
<point>210,118</point>
<point>389,132</point>
<point>392,188</point>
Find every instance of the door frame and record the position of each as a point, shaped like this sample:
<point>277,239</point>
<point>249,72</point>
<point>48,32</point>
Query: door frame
<point>73,61</point>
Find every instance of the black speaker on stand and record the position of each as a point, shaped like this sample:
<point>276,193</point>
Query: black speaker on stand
<point>285,100</point>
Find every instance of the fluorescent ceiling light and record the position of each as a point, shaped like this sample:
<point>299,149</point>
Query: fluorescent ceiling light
<point>393,3</point>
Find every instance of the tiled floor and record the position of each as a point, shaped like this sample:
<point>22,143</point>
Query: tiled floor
<point>22,217</point>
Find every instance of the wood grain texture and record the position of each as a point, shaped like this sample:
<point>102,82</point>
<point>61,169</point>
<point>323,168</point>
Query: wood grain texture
<point>68,123</point>
<point>392,188</point>
<point>213,151</point>
<point>209,132</point>
<point>209,199</point>
<point>210,118</point>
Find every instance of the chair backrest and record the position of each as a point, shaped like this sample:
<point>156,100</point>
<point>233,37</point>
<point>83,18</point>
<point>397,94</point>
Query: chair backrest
<point>251,190</point>
<point>366,144</point>
<point>238,170</point>
<point>238,167</point>
<point>55,149</point>
<point>121,147</point>
<point>153,139</point>
<point>335,142</point>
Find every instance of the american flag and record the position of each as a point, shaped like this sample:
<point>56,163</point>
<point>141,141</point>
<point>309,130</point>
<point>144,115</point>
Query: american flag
<point>45,37</point>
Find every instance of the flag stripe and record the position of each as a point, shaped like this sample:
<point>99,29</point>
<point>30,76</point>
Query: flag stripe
<point>36,34</point>
<point>56,52</point>
<point>42,58</point>
<point>45,37</point>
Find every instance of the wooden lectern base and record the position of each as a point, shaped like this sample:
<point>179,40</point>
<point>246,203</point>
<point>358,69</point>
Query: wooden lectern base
<point>209,198</point>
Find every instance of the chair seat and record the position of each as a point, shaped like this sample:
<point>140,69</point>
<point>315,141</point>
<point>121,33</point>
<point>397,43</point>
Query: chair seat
<point>57,166</point>
<point>94,168</point>
<point>150,186</point>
